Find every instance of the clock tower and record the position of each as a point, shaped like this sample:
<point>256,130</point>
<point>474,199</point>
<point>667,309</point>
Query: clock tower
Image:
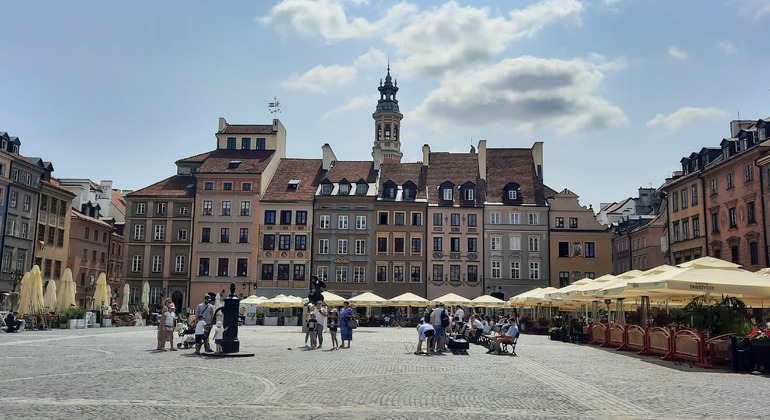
<point>387,122</point>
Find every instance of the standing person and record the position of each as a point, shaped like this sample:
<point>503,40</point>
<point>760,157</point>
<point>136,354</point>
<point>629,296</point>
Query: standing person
<point>312,323</point>
<point>219,333</point>
<point>440,320</point>
<point>320,317</point>
<point>200,334</point>
<point>169,323</point>
<point>399,317</point>
<point>345,315</point>
<point>459,313</point>
<point>333,322</point>
<point>310,310</point>
<point>206,309</point>
<point>162,325</point>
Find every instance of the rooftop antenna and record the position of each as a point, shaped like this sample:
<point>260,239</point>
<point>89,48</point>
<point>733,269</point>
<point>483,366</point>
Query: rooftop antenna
<point>275,106</point>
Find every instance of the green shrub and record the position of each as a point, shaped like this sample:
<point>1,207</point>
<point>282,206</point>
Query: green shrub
<point>74,312</point>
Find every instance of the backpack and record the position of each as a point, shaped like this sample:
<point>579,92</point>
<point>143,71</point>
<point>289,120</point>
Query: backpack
<point>444,319</point>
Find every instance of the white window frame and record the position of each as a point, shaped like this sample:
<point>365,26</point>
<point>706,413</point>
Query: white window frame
<point>447,194</point>
<point>157,263</point>
<point>179,265</point>
<point>322,271</point>
<point>342,246</point>
<point>181,235</point>
<point>360,247</point>
<point>136,264</point>
<point>323,246</point>
<point>534,270</point>
<point>359,274</point>
<point>341,274</point>
<point>515,270</point>
<point>161,208</point>
<point>324,221</point>
<point>496,269</point>
<point>514,218</point>
<point>533,218</point>
<point>515,242</point>
<point>360,222</point>
<point>495,243</point>
<point>534,243</point>
<point>159,232</point>
<point>494,218</point>
<point>342,222</point>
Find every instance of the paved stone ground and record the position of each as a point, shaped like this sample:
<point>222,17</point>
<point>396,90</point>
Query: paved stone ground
<point>114,373</point>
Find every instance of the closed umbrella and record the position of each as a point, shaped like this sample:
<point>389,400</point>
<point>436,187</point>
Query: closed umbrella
<point>126,298</point>
<point>101,292</point>
<point>146,296</point>
<point>25,290</point>
<point>65,296</point>
<point>49,298</point>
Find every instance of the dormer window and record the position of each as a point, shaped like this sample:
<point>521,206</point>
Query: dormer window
<point>512,194</point>
<point>447,194</point>
<point>293,184</point>
<point>326,188</point>
<point>233,164</point>
<point>362,188</point>
<point>389,190</point>
<point>511,191</point>
<point>410,190</point>
<point>344,189</point>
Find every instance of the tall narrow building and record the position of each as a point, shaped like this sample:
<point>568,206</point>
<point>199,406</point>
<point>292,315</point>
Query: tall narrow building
<point>387,123</point>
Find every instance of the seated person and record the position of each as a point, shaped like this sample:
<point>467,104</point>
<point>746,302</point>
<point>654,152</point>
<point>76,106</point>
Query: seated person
<point>425,332</point>
<point>477,327</point>
<point>14,324</point>
<point>508,338</point>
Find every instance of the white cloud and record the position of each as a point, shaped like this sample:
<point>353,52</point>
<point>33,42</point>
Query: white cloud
<point>755,9</point>
<point>453,38</point>
<point>373,58</point>
<point>685,116</point>
<point>677,53</point>
<point>329,19</point>
<point>320,78</point>
<point>727,47</point>
<point>524,94</point>
<point>359,102</point>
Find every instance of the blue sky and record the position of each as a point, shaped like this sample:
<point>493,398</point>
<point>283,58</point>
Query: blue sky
<point>618,90</point>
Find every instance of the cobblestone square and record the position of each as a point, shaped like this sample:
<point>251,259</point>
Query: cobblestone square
<point>116,373</point>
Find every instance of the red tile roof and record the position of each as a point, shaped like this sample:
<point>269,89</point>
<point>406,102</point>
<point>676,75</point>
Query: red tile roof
<point>250,161</point>
<point>352,171</point>
<point>400,173</point>
<point>78,215</point>
<point>506,165</point>
<point>247,129</point>
<point>307,171</point>
<point>175,186</point>
<point>199,158</point>
<point>457,168</point>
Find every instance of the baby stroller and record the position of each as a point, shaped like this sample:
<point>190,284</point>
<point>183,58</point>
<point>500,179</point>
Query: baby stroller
<point>187,331</point>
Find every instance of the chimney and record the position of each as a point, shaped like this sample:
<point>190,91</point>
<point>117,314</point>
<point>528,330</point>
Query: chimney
<point>537,156</point>
<point>328,157</point>
<point>222,124</point>
<point>377,157</point>
<point>482,157</point>
<point>425,155</point>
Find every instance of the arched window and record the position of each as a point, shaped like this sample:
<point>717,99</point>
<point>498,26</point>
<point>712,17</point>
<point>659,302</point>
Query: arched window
<point>387,131</point>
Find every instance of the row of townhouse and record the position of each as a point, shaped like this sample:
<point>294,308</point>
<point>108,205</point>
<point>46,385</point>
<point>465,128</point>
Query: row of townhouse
<point>40,226</point>
<point>716,205</point>
<point>469,223</point>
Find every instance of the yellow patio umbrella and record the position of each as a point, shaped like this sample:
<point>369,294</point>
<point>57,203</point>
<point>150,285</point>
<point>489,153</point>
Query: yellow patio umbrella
<point>126,298</point>
<point>532,297</point>
<point>587,291</point>
<point>253,300</point>
<point>101,297</point>
<point>487,301</point>
<point>407,299</point>
<point>697,280</point>
<point>561,292</point>
<point>283,301</point>
<point>452,299</point>
<point>708,262</point>
<point>368,299</point>
<point>65,296</point>
<point>332,298</point>
<point>49,297</point>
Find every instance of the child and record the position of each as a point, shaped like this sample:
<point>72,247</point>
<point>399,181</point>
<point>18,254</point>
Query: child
<point>200,334</point>
<point>311,325</point>
<point>334,321</point>
<point>219,332</point>
<point>169,319</point>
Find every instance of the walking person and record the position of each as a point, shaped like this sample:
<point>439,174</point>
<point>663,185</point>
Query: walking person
<point>206,309</point>
<point>345,331</point>
<point>320,317</point>
<point>310,310</point>
<point>333,322</point>
<point>162,325</point>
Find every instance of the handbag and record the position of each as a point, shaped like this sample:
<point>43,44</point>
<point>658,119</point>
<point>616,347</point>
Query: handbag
<point>352,324</point>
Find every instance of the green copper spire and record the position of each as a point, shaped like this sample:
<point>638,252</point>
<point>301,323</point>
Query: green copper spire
<point>388,102</point>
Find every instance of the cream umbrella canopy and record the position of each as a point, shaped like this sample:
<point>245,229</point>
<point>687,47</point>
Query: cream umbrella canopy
<point>126,298</point>
<point>700,280</point>
<point>31,296</point>
<point>332,298</point>
<point>452,299</point>
<point>49,297</point>
<point>65,296</point>
<point>407,299</point>
<point>487,301</point>
<point>368,299</point>
<point>283,301</point>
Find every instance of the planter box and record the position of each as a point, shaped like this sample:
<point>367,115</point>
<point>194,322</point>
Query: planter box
<point>73,323</point>
<point>79,323</point>
<point>106,322</point>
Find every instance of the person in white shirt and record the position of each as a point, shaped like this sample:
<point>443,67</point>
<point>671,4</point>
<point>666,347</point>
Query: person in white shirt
<point>460,314</point>
<point>425,332</point>
<point>320,317</point>
<point>200,334</point>
<point>169,323</point>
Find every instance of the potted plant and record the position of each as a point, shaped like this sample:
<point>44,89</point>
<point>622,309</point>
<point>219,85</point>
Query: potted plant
<point>63,320</point>
<point>76,317</point>
<point>555,333</point>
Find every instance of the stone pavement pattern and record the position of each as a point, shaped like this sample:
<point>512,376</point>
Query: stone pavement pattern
<point>115,373</point>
